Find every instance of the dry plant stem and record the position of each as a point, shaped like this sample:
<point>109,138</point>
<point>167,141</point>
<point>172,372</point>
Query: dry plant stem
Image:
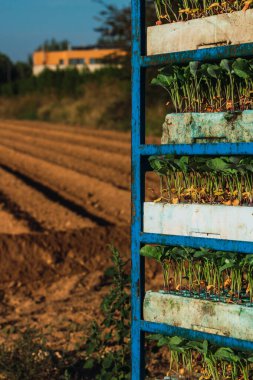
<point>184,10</point>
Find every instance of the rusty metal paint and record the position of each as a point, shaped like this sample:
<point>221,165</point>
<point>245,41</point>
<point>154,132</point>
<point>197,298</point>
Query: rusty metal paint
<point>188,128</point>
<point>206,316</point>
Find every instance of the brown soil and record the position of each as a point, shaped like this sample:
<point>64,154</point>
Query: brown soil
<point>58,134</point>
<point>46,214</point>
<point>64,197</point>
<point>101,201</point>
<point>63,155</point>
<point>55,281</point>
<point>10,223</point>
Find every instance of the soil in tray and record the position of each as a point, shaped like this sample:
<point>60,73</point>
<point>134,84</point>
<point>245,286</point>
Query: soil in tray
<point>224,297</point>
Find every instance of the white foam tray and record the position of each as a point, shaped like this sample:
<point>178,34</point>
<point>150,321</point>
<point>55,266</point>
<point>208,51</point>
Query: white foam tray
<point>211,221</point>
<point>224,29</point>
<point>206,316</point>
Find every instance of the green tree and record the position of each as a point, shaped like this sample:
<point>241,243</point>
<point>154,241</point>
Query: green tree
<point>53,45</point>
<point>6,69</point>
<point>22,70</point>
<point>115,24</point>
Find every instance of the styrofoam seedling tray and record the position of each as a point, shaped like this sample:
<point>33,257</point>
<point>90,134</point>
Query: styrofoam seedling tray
<point>199,220</point>
<point>206,316</point>
<point>188,128</point>
<point>223,29</point>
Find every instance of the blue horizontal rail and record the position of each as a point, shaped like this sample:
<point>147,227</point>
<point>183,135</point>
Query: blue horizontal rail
<point>222,149</point>
<point>197,242</point>
<point>160,328</point>
<point>207,54</point>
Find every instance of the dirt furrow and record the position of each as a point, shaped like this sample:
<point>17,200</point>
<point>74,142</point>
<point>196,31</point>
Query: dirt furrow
<point>20,215</point>
<point>99,199</point>
<point>97,156</point>
<point>42,212</point>
<point>107,134</point>
<point>86,156</point>
<point>115,177</point>
<point>9,223</point>
<point>97,142</point>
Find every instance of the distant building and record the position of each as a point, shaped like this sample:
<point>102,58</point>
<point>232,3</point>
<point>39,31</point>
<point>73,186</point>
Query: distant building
<point>91,58</point>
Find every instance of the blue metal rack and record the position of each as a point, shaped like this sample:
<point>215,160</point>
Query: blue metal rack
<point>140,152</point>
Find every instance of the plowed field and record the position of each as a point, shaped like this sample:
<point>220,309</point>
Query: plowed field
<point>64,196</point>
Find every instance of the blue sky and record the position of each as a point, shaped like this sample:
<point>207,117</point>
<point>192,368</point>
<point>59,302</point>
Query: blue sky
<point>24,24</point>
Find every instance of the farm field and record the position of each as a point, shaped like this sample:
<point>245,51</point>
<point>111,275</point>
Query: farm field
<point>64,196</point>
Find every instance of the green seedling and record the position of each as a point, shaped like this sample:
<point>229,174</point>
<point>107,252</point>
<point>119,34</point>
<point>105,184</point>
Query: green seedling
<point>214,275</point>
<point>203,360</point>
<point>160,254</point>
<point>223,180</point>
<point>207,87</point>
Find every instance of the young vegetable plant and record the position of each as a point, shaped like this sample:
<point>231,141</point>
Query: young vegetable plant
<point>160,254</point>
<point>184,10</point>
<point>205,274</point>
<point>188,179</point>
<point>203,361</point>
<point>206,87</point>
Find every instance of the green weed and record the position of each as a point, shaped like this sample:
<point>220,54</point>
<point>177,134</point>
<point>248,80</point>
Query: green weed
<point>108,347</point>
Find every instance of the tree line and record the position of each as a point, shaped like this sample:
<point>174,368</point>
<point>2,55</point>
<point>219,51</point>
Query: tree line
<point>114,31</point>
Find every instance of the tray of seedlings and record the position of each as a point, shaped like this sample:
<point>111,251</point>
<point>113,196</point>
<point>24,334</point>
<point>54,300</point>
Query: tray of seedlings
<point>213,289</point>
<point>212,102</point>
<point>202,196</point>
<point>192,24</point>
<point>200,360</point>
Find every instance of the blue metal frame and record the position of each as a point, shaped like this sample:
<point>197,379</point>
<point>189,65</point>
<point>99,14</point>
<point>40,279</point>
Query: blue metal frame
<point>140,152</point>
<point>198,149</point>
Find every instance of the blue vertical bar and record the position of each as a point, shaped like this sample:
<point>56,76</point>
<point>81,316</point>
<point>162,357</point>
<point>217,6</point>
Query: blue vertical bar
<point>138,138</point>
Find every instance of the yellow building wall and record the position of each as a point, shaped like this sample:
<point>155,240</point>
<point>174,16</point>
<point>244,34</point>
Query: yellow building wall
<point>54,57</point>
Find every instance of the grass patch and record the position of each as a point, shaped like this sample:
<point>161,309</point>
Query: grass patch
<point>101,100</point>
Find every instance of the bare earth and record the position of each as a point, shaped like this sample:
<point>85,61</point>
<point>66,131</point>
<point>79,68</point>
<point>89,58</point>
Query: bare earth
<point>64,196</point>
